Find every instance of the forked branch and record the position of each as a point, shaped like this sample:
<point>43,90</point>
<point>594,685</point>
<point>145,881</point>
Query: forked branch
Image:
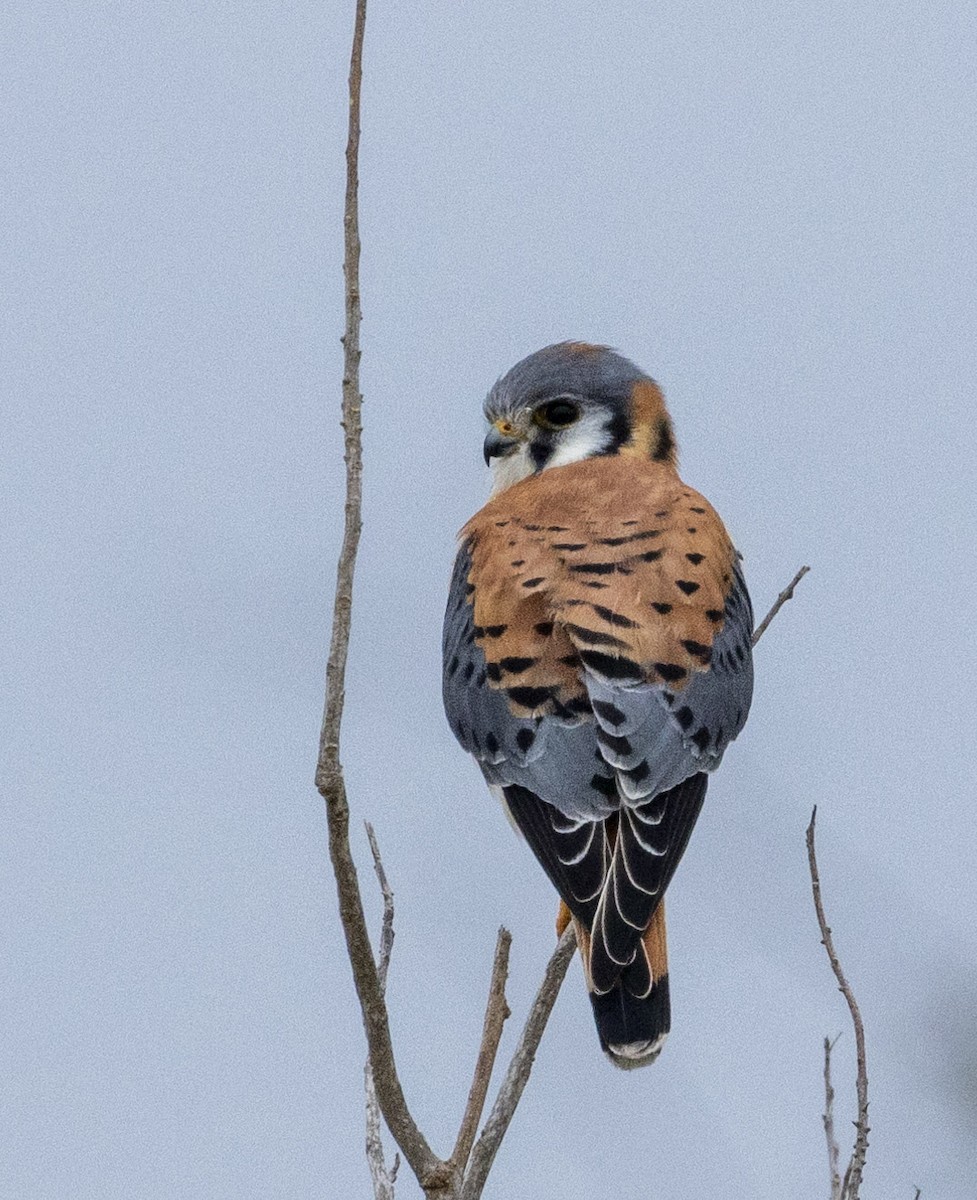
<point>853,1174</point>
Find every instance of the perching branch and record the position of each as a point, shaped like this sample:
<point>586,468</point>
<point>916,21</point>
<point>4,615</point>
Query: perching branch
<point>785,595</point>
<point>383,1178</point>
<point>496,1013</point>
<point>518,1074</point>
<point>853,1174</point>
<point>829,1123</point>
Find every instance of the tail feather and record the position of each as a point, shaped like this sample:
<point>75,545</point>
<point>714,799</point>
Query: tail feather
<point>632,1020</point>
<point>632,1031</point>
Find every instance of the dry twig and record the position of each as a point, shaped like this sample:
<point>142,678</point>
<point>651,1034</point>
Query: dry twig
<point>518,1073</point>
<point>383,1177</point>
<point>496,1013</point>
<point>829,1122</point>
<point>853,1174</point>
<point>785,595</point>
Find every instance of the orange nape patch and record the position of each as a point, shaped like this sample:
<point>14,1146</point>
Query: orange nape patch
<point>652,435</point>
<point>610,564</point>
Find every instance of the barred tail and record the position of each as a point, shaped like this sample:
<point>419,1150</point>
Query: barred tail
<point>632,1021</point>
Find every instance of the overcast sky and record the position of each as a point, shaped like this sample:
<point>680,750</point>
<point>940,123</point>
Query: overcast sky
<point>770,208</point>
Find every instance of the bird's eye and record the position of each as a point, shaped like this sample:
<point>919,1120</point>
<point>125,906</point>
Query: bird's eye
<point>557,414</point>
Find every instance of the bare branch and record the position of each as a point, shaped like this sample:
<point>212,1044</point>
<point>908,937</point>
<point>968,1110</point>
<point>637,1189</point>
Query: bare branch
<point>329,772</point>
<point>785,595</point>
<point>496,1012</point>
<point>829,1122</point>
<point>853,1174</point>
<point>383,1180</point>
<point>517,1075</point>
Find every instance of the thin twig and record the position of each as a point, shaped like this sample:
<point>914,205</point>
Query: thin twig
<point>387,930</point>
<point>329,772</point>
<point>383,1179</point>
<point>778,604</point>
<point>829,1122</point>
<point>853,1174</point>
<point>496,1012</point>
<point>517,1075</point>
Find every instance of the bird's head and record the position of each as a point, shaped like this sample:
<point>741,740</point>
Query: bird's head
<point>569,402</point>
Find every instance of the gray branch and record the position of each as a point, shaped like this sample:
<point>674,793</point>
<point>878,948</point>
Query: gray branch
<point>496,1013</point>
<point>778,604</point>
<point>853,1174</point>
<point>517,1075</point>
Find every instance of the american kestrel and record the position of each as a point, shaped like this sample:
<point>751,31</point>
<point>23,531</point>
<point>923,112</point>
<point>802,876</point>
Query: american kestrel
<point>597,659</point>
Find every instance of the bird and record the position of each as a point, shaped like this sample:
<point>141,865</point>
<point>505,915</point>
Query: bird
<point>597,660</point>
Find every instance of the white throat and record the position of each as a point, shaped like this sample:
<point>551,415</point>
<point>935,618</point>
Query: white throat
<point>584,439</point>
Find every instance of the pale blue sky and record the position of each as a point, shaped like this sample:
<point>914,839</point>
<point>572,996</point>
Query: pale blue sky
<point>769,207</point>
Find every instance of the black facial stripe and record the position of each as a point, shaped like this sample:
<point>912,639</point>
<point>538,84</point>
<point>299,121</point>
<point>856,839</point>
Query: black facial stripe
<point>540,451</point>
<point>618,429</point>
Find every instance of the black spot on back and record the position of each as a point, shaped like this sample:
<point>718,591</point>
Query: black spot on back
<point>640,772</point>
<point>618,745</point>
<point>609,712</point>
<point>596,568</point>
<point>516,666</point>
<point>605,785</point>
<point>525,738</point>
<point>591,637</point>
<point>701,737</point>
<point>698,650</point>
<point>614,618</point>
<point>530,697</point>
<point>610,666</point>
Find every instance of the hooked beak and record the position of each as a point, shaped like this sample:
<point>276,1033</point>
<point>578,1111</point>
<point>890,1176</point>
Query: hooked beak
<point>498,444</point>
